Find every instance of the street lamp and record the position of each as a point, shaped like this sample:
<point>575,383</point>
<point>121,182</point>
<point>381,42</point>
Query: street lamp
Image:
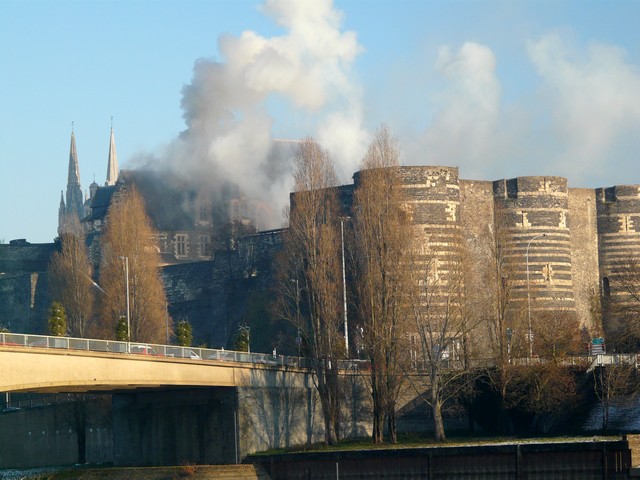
<point>126,269</point>
<point>529,295</point>
<point>298,338</point>
<point>246,329</point>
<point>344,290</point>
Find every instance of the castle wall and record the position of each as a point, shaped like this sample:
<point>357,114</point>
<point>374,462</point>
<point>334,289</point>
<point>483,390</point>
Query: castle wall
<point>584,255</point>
<point>534,219</point>
<point>478,237</point>
<point>24,290</point>
<point>618,210</point>
<point>432,197</point>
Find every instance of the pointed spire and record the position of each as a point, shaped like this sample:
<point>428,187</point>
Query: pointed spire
<point>112,164</point>
<point>74,202</point>
<point>62,199</point>
<point>74,170</point>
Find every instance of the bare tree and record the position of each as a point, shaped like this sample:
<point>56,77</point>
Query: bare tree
<point>505,320</point>
<point>615,385</point>
<point>71,284</point>
<point>382,235</point>
<point>621,302</point>
<point>444,329</point>
<point>557,334</point>
<point>127,242</point>
<point>521,381</point>
<point>309,273</point>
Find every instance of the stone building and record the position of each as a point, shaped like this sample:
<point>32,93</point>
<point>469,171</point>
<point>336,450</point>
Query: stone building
<point>191,218</point>
<point>561,245</point>
<point>566,249</point>
<point>24,296</point>
<point>618,219</point>
<point>76,208</point>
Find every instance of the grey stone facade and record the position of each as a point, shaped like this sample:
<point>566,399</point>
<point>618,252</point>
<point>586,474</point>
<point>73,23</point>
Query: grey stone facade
<point>618,220</point>
<point>562,244</point>
<point>577,241</point>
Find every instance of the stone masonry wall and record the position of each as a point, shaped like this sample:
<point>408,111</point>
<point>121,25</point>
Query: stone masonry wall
<point>584,254</point>
<point>535,218</point>
<point>478,229</point>
<point>618,210</point>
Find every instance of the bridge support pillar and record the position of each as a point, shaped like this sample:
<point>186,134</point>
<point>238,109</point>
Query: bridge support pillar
<point>174,427</point>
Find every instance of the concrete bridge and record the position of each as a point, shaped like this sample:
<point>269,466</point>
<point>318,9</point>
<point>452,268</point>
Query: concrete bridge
<point>162,405</point>
<point>35,363</point>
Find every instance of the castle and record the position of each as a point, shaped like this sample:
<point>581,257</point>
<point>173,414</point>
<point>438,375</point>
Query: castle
<point>567,249</point>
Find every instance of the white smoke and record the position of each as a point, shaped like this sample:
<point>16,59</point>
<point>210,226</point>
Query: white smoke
<point>463,130</point>
<point>581,120</point>
<point>593,96</point>
<point>229,127</point>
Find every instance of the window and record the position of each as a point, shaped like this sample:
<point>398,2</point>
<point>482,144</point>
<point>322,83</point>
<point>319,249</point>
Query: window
<point>204,245</point>
<point>181,245</point>
<point>547,272</point>
<point>606,288</point>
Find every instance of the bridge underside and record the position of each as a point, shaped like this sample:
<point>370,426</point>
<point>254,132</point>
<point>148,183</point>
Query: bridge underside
<point>135,428</point>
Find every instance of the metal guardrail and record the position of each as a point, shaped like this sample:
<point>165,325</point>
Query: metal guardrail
<point>603,359</point>
<point>207,354</point>
<point>151,350</point>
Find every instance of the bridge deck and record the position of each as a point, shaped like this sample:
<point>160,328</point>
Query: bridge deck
<point>37,363</point>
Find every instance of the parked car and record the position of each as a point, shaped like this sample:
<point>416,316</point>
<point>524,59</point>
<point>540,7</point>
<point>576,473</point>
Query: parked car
<point>188,353</point>
<point>143,350</point>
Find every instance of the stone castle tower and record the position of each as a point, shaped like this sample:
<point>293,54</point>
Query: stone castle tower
<point>562,247</point>
<point>618,220</point>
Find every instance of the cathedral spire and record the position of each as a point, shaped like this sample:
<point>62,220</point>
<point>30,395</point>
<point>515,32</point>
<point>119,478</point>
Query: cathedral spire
<point>74,170</point>
<point>112,164</point>
<point>74,208</point>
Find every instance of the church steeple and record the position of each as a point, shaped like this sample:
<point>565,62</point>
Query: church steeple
<point>74,209</point>
<point>112,164</point>
<point>74,170</point>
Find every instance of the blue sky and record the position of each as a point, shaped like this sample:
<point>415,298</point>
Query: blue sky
<point>497,88</point>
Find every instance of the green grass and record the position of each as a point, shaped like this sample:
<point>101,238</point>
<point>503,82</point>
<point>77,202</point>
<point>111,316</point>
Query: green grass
<point>415,441</point>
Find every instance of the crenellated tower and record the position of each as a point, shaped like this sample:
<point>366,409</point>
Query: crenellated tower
<point>532,232</point>
<point>618,219</point>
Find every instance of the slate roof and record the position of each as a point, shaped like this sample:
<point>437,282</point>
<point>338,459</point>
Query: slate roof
<point>100,203</point>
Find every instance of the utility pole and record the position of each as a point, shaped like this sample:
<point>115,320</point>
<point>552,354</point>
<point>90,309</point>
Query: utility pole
<point>126,269</point>
<point>529,296</point>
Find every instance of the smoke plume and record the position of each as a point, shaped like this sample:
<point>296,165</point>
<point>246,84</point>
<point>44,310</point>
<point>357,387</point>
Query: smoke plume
<point>306,70</point>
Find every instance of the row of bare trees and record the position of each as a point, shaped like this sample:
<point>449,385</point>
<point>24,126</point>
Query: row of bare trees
<point>95,308</point>
<point>406,308</point>
<point>395,299</point>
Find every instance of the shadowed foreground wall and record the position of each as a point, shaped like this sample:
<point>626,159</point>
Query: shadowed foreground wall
<point>48,435</point>
<point>550,461</point>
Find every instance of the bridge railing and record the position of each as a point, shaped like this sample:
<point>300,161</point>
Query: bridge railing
<point>148,349</point>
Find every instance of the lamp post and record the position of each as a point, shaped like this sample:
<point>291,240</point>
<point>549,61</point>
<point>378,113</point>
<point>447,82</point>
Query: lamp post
<point>298,338</point>
<point>529,295</point>
<point>126,274</point>
<point>246,329</point>
<point>344,290</point>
